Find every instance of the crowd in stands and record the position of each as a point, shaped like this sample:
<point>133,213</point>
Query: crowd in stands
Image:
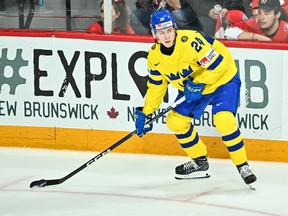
<point>183,13</point>
<point>258,20</point>
<point>268,23</point>
<point>119,16</point>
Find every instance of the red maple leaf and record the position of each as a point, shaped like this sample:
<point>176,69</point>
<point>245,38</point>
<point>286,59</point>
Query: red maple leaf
<point>112,113</point>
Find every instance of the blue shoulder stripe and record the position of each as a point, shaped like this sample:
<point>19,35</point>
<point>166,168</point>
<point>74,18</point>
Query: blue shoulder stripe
<point>215,63</point>
<point>155,82</point>
<point>210,40</point>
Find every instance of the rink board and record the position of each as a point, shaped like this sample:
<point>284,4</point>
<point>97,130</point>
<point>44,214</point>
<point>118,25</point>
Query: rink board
<point>158,144</point>
<point>65,90</point>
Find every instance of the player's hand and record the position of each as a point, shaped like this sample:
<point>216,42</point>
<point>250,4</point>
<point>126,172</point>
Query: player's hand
<point>140,123</point>
<point>192,91</point>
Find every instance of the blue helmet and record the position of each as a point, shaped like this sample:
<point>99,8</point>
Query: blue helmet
<point>161,19</point>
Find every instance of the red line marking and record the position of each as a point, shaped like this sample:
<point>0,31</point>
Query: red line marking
<point>14,182</point>
<point>157,199</point>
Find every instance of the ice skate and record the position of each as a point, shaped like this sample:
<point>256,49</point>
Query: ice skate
<point>194,169</point>
<point>247,175</point>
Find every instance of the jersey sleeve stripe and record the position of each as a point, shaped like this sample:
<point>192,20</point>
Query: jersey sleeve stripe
<point>216,63</point>
<point>155,72</point>
<point>155,82</point>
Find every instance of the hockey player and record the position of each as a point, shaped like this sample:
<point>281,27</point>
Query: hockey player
<point>204,72</point>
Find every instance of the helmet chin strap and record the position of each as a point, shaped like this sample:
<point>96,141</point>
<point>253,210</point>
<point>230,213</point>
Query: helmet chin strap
<point>154,35</point>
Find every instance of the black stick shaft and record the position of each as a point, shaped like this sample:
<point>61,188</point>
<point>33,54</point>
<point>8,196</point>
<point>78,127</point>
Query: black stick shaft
<point>61,180</point>
<point>99,156</point>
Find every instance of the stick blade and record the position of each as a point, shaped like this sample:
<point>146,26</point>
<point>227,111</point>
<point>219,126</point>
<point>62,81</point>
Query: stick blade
<point>39,183</point>
<point>44,182</point>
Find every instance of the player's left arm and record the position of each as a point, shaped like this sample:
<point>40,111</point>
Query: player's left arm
<point>209,58</point>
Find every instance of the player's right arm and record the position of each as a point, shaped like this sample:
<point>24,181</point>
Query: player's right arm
<point>157,86</point>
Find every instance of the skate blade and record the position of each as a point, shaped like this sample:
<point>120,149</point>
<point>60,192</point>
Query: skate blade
<point>199,175</point>
<point>252,187</point>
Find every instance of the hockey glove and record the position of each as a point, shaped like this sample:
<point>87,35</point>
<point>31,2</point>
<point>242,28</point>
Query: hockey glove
<point>192,91</point>
<point>140,123</point>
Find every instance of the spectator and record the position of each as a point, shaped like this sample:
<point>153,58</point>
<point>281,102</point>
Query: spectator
<point>232,17</point>
<point>119,19</point>
<point>254,6</point>
<point>208,12</point>
<point>183,14</point>
<point>268,25</point>
<point>285,6</point>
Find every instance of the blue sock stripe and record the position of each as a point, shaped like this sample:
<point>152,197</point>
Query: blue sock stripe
<point>235,147</point>
<point>231,136</point>
<point>190,144</point>
<point>187,134</point>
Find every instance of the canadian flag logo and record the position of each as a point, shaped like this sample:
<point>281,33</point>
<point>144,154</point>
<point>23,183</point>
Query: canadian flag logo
<point>204,61</point>
<point>210,56</point>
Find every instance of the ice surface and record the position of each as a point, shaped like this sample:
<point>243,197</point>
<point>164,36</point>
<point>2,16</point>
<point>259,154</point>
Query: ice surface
<point>134,185</point>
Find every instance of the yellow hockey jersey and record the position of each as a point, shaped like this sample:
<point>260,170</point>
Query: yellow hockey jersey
<point>205,59</point>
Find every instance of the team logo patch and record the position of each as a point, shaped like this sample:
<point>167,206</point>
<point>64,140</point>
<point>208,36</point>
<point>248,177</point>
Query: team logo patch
<point>210,56</point>
<point>285,27</point>
<point>184,38</point>
<point>164,25</point>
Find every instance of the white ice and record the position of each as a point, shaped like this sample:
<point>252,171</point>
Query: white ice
<point>134,185</point>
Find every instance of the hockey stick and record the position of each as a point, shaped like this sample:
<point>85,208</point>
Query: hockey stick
<point>44,182</point>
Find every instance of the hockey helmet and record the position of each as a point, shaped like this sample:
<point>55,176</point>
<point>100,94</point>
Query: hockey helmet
<point>161,19</point>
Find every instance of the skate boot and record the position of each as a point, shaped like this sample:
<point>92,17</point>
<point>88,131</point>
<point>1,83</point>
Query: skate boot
<point>247,175</point>
<point>194,169</point>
